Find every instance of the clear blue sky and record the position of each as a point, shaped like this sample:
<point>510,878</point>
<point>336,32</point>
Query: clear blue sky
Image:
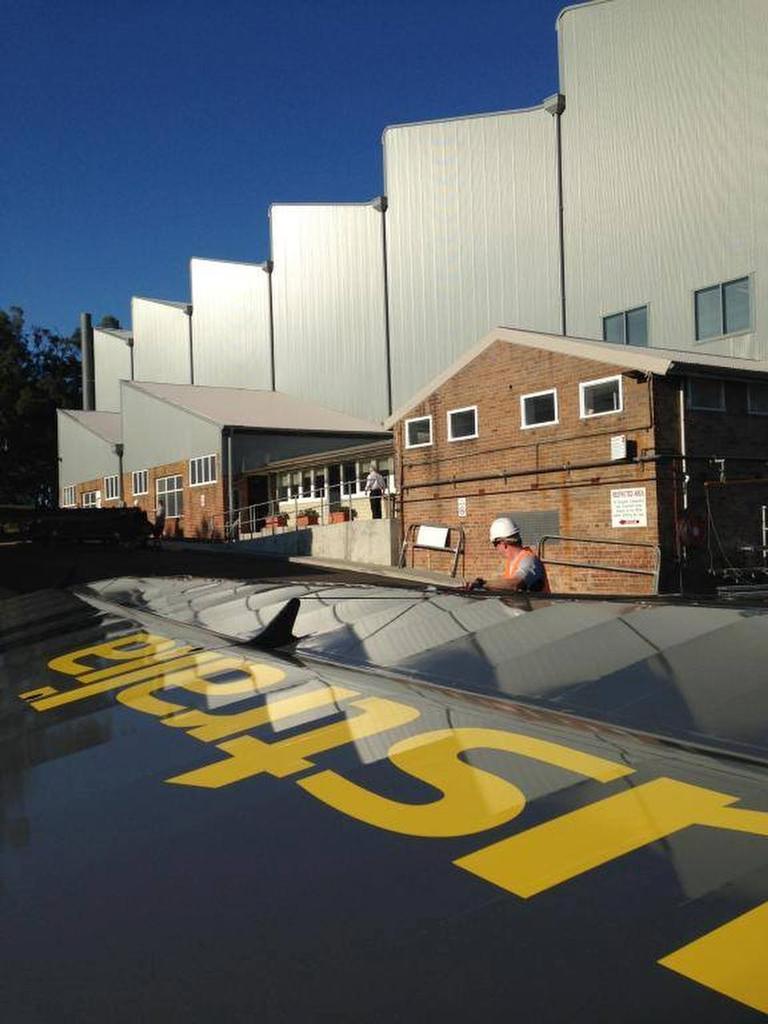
<point>140,133</point>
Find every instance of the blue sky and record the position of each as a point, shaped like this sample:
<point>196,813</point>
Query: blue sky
<point>140,133</point>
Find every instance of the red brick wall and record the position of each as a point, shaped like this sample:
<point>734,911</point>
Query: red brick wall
<point>541,465</point>
<point>203,515</point>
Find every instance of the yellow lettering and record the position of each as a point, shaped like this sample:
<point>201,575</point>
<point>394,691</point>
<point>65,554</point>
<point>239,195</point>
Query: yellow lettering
<point>125,648</point>
<point>730,960</point>
<point>207,727</point>
<point>249,756</point>
<point>545,856</point>
<point>472,799</point>
<point>193,674</point>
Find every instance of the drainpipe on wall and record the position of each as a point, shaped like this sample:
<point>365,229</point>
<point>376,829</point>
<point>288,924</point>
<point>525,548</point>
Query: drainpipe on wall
<point>118,450</point>
<point>230,486</point>
<point>381,204</point>
<point>129,343</point>
<point>555,105</point>
<point>188,311</point>
<point>683,450</point>
<point>268,267</point>
<point>86,357</point>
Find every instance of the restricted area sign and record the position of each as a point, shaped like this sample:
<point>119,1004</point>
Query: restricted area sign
<point>628,507</point>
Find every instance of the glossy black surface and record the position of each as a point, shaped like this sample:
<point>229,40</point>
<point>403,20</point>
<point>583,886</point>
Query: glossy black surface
<point>125,898</point>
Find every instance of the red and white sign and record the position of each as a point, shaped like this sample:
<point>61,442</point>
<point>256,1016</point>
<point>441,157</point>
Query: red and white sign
<point>628,507</point>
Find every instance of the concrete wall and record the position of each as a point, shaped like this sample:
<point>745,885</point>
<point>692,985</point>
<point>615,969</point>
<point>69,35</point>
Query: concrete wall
<point>231,323</point>
<point>161,341</point>
<point>372,542</point>
<point>665,150</point>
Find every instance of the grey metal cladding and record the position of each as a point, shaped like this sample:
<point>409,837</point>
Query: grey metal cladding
<point>160,341</point>
<point>156,433</point>
<point>112,362</point>
<point>84,455</point>
<point>472,237</point>
<point>231,328</point>
<point>665,142</point>
<point>329,314</point>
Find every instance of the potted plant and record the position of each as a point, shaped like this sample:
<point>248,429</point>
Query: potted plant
<point>307,517</point>
<point>278,519</point>
<point>341,515</point>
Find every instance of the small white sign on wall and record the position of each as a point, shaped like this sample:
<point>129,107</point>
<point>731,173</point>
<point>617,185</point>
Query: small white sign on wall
<point>628,507</point>
<point>432,537</point>
<point>461,507</point>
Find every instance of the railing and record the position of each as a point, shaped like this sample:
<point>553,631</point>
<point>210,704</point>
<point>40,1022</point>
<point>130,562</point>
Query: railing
<point>599,541</point>
<point>431,537</point>
<point>284,513</point>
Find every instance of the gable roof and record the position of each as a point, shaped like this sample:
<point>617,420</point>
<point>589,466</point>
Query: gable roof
<point>116,332</point>
<point>105,425</point>
<point>659,361</point>
<point>259,410</point>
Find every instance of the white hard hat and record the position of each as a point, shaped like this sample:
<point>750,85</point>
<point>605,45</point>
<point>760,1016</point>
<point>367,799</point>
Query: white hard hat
<point>504,527</point>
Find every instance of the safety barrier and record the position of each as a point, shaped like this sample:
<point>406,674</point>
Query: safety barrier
<point>654,548</point>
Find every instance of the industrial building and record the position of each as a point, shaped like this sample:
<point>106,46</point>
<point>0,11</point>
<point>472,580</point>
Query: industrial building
<point>629,208</point>
<point>659,457</point>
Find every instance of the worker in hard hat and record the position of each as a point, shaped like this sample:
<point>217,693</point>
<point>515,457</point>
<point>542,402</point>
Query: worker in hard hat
<point>523,569</point>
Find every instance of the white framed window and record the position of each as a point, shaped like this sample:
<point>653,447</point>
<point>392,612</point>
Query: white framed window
<point>350,479</point>
<point>706,395</point>
<point>757,399</point>
<point>630,327</point>
<point>68,497</point>
<point>418,432</point>
<point>723,309</point>
<point>284,486</point>
<point>538,409</point>
<point>318,483</point>
<point>91,499</point>
<point>140,482</point>
<point>601,397</point>
<point>462,423</point>
<point>202,470</point>
<point>170,491</point>
<point>111,487</point>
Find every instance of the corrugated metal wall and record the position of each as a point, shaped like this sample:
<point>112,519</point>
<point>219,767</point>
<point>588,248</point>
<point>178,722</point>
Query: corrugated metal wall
<point>328,292</point>
<point>112,363</point>
<point>472,236</point>
<point>161,350</point>
<point>665,161</point>
<point>156,433</point>
<point>83,456</point>
<point>231,324</point>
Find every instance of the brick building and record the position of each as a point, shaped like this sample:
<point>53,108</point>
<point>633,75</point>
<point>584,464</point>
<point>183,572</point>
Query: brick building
<point>662,451</point>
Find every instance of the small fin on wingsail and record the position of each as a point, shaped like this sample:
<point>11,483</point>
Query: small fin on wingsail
<point>279,632</point>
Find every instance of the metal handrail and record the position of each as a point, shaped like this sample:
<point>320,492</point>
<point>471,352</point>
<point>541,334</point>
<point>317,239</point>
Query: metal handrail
<point>655,548</point>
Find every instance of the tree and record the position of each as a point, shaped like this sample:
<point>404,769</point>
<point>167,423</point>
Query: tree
<point>39,373</point>
<point>109,323</point>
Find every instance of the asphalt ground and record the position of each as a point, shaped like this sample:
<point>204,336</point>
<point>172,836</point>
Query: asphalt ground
<point>26,566</point>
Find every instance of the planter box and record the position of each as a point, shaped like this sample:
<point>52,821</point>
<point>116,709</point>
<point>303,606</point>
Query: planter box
<point>281,520</point>
<point>310,519</point>
<point>341,515</point>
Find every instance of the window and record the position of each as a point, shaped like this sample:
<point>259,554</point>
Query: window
<point>319,484</point>
<point>538,408</point>
<point>306,484</point>
<point>600,397</point>
<point>349,483</point>
<point>627,328</point>
<point>462,423</point>
<point>91,499</point>
<point>202,470</point>
<point>170,492</point>
<point>418,432</point>
<point>111,487</point>
<point>757,399</point>
<point>68,499</point>
<point>140,482</point>
<point>706,395</point>
<point>723,309</point>
<point>284,487</point>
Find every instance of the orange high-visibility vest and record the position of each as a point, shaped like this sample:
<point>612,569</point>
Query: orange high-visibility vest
<point>510,568</point>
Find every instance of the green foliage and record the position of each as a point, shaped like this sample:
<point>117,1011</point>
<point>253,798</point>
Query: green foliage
<point>109,323</point>
<point>39,373</point>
